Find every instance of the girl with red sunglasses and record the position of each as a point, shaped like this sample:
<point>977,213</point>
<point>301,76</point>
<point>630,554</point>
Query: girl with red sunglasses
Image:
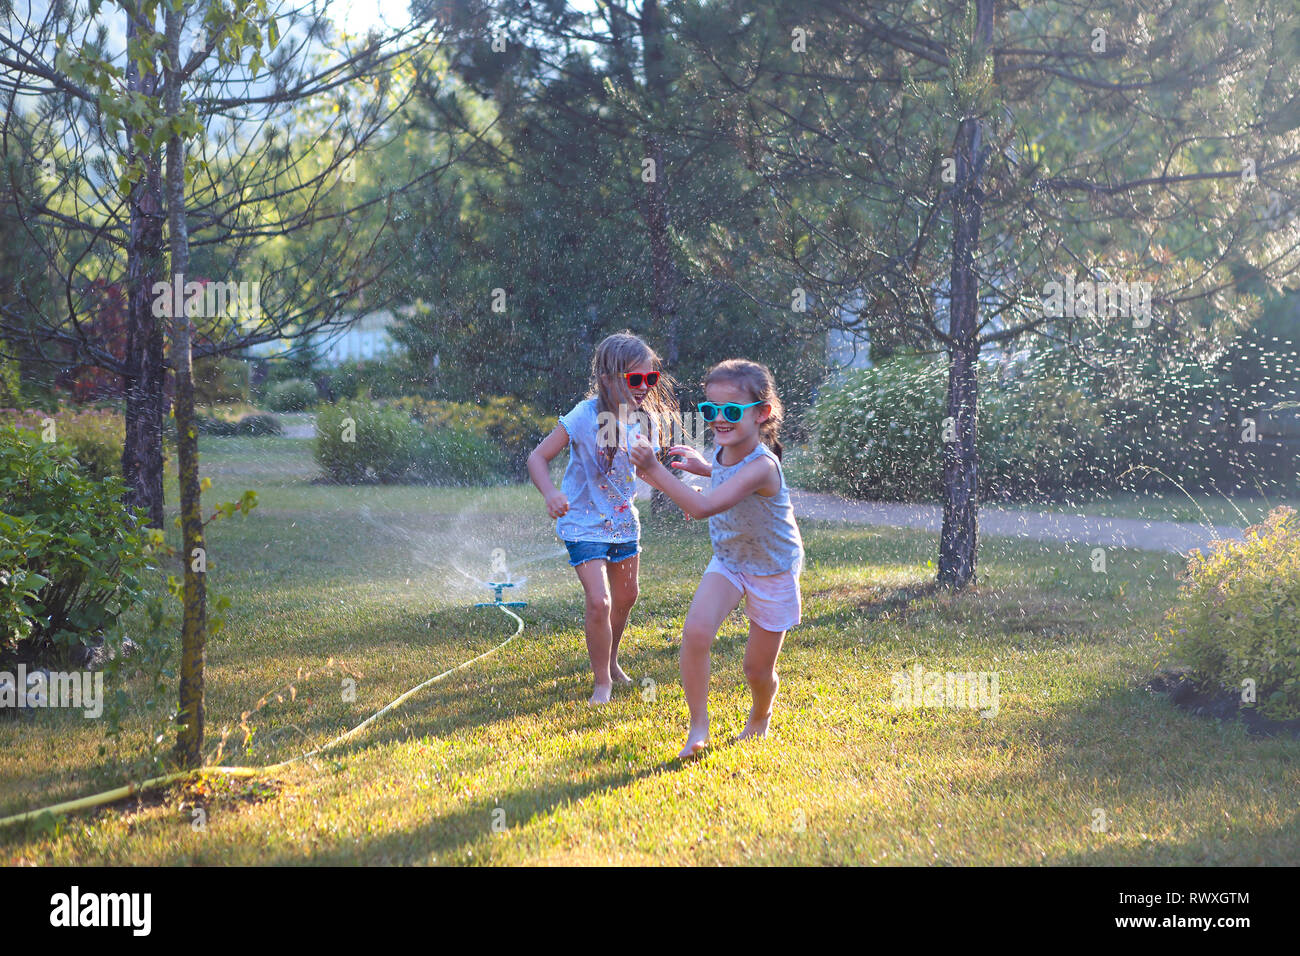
<point>595,510</point>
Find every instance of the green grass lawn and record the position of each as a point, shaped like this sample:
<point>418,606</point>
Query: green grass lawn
<point>503,763</point>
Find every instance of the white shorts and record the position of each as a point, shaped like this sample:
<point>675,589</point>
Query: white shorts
<point>771,600</point>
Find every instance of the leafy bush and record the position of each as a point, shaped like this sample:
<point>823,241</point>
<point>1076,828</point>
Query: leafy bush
<point>388,445</point>
<point>292,395</point>
<point>220,380</point>
<point>456,455</point>
<point>512,426</point>
<point>1237,616</point>
<point>879,432</point>
<point>72,560</point>
<point>1039,435</point>
<point>10,380</point>
<point>215,425</point>
<point>95,436</point>
<point>359,441</point>
<point>259,424</point>
<point>390,378</point>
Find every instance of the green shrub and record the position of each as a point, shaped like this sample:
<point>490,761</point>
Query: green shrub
<point>96,436</point>
<point>215,425</point>
<point>72,560</point>
<point>1040,436</point>
<point>10,380</point>
<point>258,425</point>
<point>1237,616</point>
<point>220,381</point>
<point>390,377</point>
<point>292,395</point>
<point>878,433</point>
<point>359,441</point>
<point>388,445</point>
<point>514,427</point>
<point>457,455</point>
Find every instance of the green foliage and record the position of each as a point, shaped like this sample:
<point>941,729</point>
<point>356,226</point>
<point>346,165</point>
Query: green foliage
<point>220,380</point>
<point>1045,428</point>
<point>72,560</point>
<point>1040,435</point>
<point>388,445</point>
<point>291,395</point>
<point>10,381</point>
<point>1237,616</point>
<point>512,426</point>
<point>457,455</point>
<point>215,425</point>
<point>258,425</point>
<point>391,378</point>
<point>95,436</point>
<point>359,441</point>
<point>877,432</point>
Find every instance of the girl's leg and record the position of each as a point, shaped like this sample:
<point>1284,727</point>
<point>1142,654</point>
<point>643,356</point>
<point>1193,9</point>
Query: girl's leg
<point>623,593</point>
<point>715,598</point>
<point>760,672</point>
<point>599,637</point>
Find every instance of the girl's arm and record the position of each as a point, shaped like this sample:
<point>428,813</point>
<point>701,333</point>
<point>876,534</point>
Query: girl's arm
<point>758,475</point>
<point>539,469</point>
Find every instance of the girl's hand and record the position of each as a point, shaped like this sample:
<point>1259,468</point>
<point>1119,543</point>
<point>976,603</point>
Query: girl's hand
<point>694,462</point>
<point>643,455</point>
<point>557,505</point>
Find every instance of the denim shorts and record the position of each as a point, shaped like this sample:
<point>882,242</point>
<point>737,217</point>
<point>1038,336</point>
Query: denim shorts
<point>581,552</point>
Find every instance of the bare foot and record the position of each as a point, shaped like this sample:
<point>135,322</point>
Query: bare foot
<point>696,741</point>
<point>619,676</point>
<point>755,726</point>
<point>599,695</point>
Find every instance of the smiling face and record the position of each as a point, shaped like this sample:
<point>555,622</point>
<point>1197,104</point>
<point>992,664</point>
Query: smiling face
<point>744,433</point>
<point>619,385</point>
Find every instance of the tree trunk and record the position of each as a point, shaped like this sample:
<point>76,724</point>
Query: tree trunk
<point>189,741</point>
<point>145,378</point>
<point>663,281</point>
<point>663,276</point>
<point>958,540</point>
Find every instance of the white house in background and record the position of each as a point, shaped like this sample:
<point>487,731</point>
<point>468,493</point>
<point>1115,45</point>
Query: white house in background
<point>365,339</point>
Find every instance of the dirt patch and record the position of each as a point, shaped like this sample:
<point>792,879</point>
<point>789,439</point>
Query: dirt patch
<point>1224,705</point>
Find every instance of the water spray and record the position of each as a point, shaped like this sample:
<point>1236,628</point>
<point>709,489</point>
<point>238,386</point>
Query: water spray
<point>133,789</point>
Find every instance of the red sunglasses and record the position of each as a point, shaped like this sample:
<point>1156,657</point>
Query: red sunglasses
<point>634,379</point>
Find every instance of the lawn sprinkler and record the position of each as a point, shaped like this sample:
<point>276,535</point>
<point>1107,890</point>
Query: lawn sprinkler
<point>498,587</point>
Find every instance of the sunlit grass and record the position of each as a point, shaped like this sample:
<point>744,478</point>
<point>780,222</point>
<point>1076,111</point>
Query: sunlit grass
<point>502,762</point>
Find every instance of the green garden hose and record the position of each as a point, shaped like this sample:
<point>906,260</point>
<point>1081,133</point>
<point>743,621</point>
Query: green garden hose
<point>121,793</point>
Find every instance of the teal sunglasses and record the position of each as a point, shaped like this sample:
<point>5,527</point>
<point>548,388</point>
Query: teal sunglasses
<point>730,410</point>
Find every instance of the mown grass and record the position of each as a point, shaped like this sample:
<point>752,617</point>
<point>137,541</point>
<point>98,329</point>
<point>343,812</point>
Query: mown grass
<point>502,762</point>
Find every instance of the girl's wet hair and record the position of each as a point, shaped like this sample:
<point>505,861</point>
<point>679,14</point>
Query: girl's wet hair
<point>756,381</point>
<point>617,354</point>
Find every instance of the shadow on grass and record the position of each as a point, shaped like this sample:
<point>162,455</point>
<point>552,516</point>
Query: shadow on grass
<point>451,834</point>
<point>1132,754</point>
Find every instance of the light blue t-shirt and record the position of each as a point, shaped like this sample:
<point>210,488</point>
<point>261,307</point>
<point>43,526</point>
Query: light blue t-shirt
<point>601,493</point>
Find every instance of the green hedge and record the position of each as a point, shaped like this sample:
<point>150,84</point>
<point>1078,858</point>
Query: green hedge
<point>72,560</point>
<point>879,432</point>
<point>292,395</point>
<point>1237,616</point>
<point>96,436</point>
<point>419,441</point>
